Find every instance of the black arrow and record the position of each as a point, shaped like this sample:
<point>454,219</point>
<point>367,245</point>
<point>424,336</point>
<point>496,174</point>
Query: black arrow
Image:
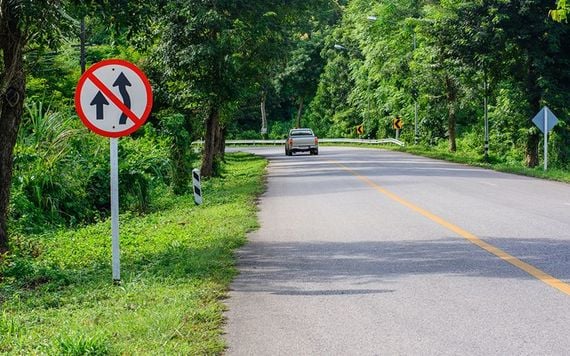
<point>99,100</point>
<point>122,82</point>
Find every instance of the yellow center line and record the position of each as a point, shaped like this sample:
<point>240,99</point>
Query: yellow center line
<point>533,271</point>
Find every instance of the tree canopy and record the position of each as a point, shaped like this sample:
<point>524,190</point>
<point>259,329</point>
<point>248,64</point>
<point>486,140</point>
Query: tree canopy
<point>230,69</point>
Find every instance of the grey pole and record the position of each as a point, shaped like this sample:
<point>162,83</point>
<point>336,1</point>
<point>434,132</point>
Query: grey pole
<point>368,94</point>
<point>82,45</point>
<point>114,144</point>
<point>417,137</point>
<point>545,139</point>
<point>485,87</point>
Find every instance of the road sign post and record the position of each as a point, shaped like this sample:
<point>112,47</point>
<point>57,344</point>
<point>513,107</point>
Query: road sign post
<point>114,145</point>
<point>545,140</point>
<point>113,98</point>
<point>545,120</point>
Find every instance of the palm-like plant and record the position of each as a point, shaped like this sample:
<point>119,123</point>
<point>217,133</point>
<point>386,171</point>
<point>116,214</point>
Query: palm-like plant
<point>43,153</point>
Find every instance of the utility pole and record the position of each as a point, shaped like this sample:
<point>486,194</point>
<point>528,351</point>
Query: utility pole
<point>82,45</point>
<point>485,102</point>
<point>417,136</point>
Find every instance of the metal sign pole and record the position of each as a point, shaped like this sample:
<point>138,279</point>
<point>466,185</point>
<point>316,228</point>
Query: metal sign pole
<point>114,143</point>
<point>486,147</point>
<point>417,137</point>
<point>545,139</point>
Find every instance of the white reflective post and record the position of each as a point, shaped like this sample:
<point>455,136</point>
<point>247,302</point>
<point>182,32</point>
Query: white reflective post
<point>114,143</point>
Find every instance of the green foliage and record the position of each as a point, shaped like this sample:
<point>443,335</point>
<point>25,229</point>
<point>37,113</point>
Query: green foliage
<point>47,179</point>
<point>83,345</point>
<point>280,129</point>
<point>176,127</point>
<point>58,298</point>
<point>561,12</point>
<point>459,46</point>
<point>62,171</point>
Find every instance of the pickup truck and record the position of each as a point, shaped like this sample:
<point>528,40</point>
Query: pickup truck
<point>301,140</point>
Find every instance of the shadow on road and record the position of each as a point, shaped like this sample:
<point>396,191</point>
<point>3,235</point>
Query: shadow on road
<point>277,267</point>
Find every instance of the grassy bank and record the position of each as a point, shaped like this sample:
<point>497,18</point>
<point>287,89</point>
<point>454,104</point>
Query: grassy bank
<point>56,292</point>
<point>494,163</point>
<point>473,159</point>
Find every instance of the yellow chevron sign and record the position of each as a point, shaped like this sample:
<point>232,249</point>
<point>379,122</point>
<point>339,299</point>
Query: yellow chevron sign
<point>397,123</point>
<point>360,129</point>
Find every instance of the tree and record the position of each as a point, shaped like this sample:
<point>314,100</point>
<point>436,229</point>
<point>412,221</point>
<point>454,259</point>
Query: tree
<point>561,12</point>
<point>33,26</point>
<point>216,48</point>
<point>538,46</point>
<point>20,28</point>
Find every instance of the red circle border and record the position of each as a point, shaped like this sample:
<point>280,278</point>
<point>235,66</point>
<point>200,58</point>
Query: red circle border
<point>85,76</point>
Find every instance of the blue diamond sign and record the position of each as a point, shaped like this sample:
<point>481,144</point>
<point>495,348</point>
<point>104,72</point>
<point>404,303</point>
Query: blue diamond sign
<point>545,116</point>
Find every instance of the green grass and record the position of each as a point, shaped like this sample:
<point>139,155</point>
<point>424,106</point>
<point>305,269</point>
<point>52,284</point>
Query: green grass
<point>494,163</point>
<point>473,159</point>
<point>56,292</point>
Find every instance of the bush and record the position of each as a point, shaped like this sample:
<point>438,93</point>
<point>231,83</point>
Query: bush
<point>61,171</point>
<point>279,129</point>
<point>176,127</point>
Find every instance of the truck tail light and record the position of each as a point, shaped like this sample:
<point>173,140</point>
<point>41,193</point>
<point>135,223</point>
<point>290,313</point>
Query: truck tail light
<point>316,140</point>
<point>290,142</point>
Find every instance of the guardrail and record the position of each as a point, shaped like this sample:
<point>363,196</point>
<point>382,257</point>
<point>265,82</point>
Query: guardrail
<point>321,140</point>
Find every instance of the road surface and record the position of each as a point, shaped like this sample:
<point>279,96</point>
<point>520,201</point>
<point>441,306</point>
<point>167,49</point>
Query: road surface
<point>372,252</point>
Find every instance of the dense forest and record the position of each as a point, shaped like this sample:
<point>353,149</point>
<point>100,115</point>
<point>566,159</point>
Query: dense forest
<point>252,69</point>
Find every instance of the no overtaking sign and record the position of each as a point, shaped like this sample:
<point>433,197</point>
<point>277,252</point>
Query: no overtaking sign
<point>113,98</point>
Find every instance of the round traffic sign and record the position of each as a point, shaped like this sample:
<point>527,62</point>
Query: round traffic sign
<point>113,98</point>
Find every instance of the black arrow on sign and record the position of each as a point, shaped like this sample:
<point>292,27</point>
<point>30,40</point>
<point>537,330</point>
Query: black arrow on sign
<point>99,100</point>
<point>122,82</point>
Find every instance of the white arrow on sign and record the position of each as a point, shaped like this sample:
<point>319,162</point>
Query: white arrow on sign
<point>113,98</point>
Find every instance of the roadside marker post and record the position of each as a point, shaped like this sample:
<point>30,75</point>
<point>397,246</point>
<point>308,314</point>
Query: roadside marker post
<point>545,120</point>
<point>113,98</point>
<point>197,186</point>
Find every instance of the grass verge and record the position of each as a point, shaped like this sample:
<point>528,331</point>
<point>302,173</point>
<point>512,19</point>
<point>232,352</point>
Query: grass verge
<point>56,294</point>
<point>494,163</point>
<point>474,159</point>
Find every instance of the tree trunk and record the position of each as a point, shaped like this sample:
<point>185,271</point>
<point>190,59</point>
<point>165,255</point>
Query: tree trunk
<point>451,119</point>
<point>451,116</point>
<point>534,94</point>
<point>223,132</point>
<point>212,128</point>
<point>12,91</point>
<point>218,147</point>
<point>300,111</point>
<point>531,150</point>
<point>263,115</point>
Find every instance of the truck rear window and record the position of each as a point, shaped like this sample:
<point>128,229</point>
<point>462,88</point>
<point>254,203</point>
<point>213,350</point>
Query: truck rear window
<point>301,133</point>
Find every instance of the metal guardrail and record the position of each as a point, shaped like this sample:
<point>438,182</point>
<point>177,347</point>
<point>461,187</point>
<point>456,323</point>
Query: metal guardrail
<point>362,140</point>
<point>321,140</point>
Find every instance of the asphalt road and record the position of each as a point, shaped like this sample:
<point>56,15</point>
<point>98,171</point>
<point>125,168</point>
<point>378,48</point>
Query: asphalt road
<point>371,252</point>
